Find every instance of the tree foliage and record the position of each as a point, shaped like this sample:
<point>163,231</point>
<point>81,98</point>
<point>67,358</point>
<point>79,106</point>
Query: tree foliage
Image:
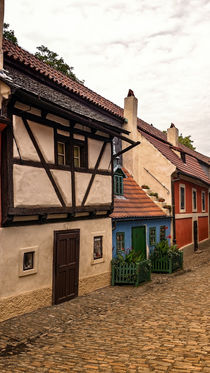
<point>187,141</point>
<point>9,34</point>
<point>52,59</point>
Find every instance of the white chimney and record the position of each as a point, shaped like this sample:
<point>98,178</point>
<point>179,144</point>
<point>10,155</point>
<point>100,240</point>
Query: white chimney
<point>173,135</point>
<point>130,115</point>
<point>1,32</point>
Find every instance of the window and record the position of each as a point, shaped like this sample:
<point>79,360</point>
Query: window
<point>28,260</point>
<point>97,247</point>
<point>182,197</point>
<point>61,153</point>
<point>194,199</point>
<point>118,184</point>
<point>120,241</point>
<point>203,201</point>
<point>71,152</point>
<point>152,236</point>
<point>76,156</point>
<point>162,232</point>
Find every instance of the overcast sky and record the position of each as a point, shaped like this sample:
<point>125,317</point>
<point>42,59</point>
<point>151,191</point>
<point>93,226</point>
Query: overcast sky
<point>158,48</point>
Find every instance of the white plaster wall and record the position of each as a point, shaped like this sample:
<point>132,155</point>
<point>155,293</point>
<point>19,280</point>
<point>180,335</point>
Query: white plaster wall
<point>32,187</point>
<point>81,184</point>
<point>14,239</point>
<point>101,190</point>
<point>94,148</point>
<point>45,138</point>
<point>25,145</point>
<point>105,163</point>
<point>57,119</point>
<point>63,181</point>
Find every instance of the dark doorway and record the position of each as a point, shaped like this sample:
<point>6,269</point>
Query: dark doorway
<point>66,265</point>
<point>195,234</point>
<point>139,240</point>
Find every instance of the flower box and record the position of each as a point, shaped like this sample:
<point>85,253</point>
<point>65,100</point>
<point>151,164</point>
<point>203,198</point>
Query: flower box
<point>130,273</point>
<point>167,263</point>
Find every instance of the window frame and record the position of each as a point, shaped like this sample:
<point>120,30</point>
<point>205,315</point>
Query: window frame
<point>162,228</point>
<point>69,158</point>
<point>182,186</point>
<point>118,185</point>
<point>118,250</point>
<point>154,235</point>
<point>203,193</point>
<point>194,207</point>
<point>101,248</point>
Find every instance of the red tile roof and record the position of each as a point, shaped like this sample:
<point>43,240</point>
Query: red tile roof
<point>191,167</point>
<point>16,53</point>
<point>134,202</point>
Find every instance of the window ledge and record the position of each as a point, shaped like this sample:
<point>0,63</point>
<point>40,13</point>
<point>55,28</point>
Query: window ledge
<point>97,261</point>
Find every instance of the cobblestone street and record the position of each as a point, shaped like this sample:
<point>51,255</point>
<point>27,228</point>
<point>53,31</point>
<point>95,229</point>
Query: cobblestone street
<point>162,326</point>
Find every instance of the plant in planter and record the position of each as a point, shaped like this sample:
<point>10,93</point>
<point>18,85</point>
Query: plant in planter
<point>161,200</point>
<point>130,268</point>
<point>155,195</point>
<point>144,186</point>
<point>167,207</point>
<point>165,258</point>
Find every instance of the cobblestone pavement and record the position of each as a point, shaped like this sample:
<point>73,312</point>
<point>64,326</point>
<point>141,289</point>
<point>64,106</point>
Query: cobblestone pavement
<point>162,326</point>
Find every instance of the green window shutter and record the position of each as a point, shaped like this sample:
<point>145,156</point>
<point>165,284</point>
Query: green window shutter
<point>120,241</point>
<point>152,236</point>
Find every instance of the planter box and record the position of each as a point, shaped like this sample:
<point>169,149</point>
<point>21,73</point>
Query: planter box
<point>167,263</point>
<point>130,273</point>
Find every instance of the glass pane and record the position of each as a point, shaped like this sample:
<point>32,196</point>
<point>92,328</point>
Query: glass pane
<point>76,151</point>
<point>28,261</point>
<point>182,198</point>
<point>61,160</point>
<point>61,148</point>
<point>97,250</point>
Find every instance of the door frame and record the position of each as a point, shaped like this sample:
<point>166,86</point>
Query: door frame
<point>55,235</point>
<point>145,231</point>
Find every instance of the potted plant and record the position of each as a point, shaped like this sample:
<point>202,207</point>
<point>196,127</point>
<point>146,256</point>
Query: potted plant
<point>161,200</point>
<point>130,268</point>
<point>165,258</point>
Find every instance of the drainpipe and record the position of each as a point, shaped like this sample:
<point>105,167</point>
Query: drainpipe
<point>173,207</point>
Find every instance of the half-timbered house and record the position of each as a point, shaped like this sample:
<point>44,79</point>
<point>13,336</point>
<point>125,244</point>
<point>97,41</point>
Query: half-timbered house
<point>56,184</point>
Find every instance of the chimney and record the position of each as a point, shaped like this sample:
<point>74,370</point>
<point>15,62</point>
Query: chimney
<point>130,115</point>
<point>173,135</point>
<point>1,32</point>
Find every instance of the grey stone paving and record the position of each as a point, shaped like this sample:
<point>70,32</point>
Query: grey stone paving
<point>162,326</point>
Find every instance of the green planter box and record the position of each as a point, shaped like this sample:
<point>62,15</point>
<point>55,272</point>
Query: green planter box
<point>167,263</point>
<point>130,273</point>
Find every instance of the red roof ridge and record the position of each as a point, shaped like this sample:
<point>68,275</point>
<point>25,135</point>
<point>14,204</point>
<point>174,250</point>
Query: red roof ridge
<point>28,59</point>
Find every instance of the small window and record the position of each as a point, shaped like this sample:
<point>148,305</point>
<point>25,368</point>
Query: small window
<point>76,156</point>
<point>162,232</point>
<point>118,184</point>
<point>203,201</point>
<point>61,153</point>
<point>194,199</point>
<point>28,261</point>
<point>120,241</point>
<point>152,236</point>
<point>182,198</point>
<point>98,247</point>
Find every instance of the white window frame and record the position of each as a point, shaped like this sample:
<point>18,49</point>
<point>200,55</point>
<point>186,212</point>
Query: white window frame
<point>184,187</point>
<point>203,193</point>
<point>32,271</point>
<point>194,209</point>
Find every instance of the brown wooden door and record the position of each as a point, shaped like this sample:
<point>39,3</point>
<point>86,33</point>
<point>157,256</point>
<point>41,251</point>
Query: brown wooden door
<point>66,265</point>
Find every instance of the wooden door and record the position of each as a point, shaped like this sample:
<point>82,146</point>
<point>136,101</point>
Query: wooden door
<point>139,240</point>
<point>195,234</point>
<point>66,265</point>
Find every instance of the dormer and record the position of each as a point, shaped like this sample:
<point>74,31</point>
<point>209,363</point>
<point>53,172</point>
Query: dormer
<point>119,175</point>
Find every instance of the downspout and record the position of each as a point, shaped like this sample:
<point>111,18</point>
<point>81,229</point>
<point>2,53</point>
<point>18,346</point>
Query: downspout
<point>173,207</point>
